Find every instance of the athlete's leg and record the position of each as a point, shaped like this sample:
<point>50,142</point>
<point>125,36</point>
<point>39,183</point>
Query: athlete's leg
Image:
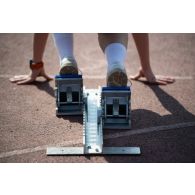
<point>115,48</point>
<point>64,44</point>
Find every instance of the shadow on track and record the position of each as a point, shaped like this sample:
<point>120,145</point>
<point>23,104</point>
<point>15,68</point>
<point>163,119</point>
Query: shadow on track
<point>166,146</point>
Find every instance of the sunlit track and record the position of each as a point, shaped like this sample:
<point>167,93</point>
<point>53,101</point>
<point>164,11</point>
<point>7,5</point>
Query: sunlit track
<point>112,136</point>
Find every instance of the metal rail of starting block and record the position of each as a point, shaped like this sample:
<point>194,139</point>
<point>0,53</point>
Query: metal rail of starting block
<point>103,108</point>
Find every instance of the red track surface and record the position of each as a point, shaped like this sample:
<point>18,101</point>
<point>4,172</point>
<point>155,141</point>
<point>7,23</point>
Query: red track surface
<point>27,113</point>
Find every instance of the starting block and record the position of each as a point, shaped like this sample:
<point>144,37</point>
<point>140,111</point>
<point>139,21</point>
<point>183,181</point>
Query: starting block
<point>116,107</point>
<point>102,108</point>
<point>69,94</point>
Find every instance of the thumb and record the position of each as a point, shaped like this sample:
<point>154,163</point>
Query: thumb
<point>47,77</point>
<point>137,76</point>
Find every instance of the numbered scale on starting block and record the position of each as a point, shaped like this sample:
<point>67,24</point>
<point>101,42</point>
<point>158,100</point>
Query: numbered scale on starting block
<point>103,108</point>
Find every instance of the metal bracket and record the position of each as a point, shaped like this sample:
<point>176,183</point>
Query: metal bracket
<point>69,94</point>
<point>61,151</point>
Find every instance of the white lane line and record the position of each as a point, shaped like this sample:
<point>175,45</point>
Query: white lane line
<point>6,75</point>
<point>112,136</point>
<point>150,129</point>
<point>178,77</point>
<point>104,77</point>
<point>38,148</point>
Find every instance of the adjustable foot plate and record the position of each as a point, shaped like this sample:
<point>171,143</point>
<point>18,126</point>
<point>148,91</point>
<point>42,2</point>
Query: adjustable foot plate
<point>69,94</point>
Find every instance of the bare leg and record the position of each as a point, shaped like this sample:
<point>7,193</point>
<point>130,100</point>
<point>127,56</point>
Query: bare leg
<point>64,43</point>
<point>107,38</point>
<point>39,43</point>
<point>115,48</point>
<point>142,44</point>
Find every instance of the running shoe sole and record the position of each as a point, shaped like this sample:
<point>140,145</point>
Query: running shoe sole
<point>117,78</point>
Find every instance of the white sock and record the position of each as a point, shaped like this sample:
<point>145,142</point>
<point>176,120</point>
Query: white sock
<point>115,54</point>
<point>64,44</point>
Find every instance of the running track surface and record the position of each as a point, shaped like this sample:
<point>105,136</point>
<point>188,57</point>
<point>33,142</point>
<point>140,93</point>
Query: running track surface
<point>163,118</point>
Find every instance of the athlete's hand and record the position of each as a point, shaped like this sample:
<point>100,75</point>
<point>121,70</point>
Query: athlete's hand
<point>148,77</point>
<point>27,79</point>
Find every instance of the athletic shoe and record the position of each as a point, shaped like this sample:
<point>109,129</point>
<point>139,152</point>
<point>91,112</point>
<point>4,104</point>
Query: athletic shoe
<point>117,78</point>
<point>68,66</point>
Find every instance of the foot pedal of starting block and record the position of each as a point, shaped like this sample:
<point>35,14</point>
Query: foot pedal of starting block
<point>69,94</point>
<point>116,104</point>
